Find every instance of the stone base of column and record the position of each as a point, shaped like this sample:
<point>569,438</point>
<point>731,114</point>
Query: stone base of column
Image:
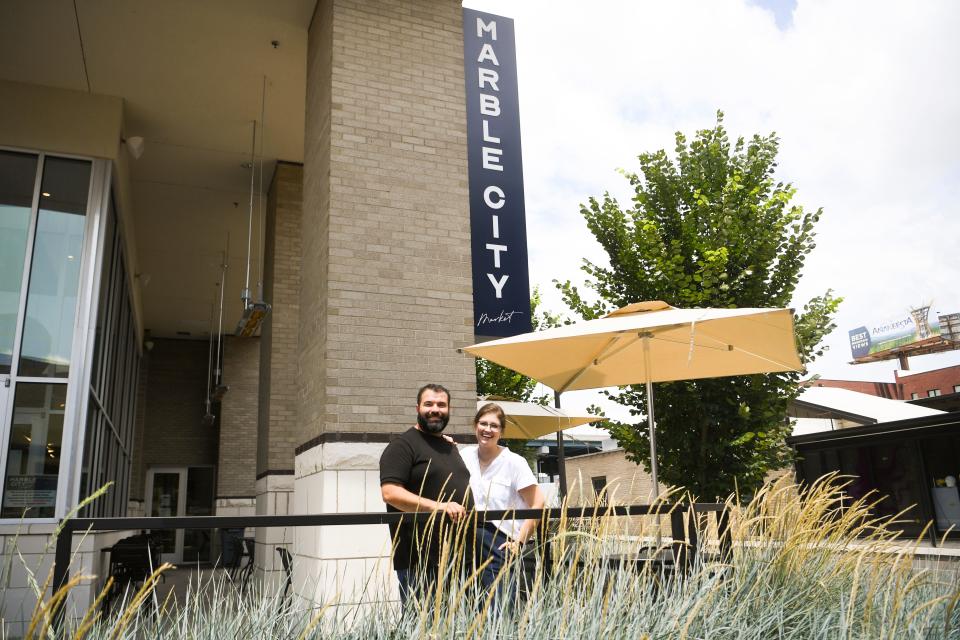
<point>136,508</point>
<point>24,550</point>
<point>341,565</point>
<point>236,506</point>
<point>274,497</point>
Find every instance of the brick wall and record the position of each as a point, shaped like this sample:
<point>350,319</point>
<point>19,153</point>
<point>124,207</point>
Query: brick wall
<point>237,455</point>
<point>279,397</point>
<point>315,220</point>
<point>921,383</point>
<point>627,482</point>
<point>907,383</point>
<point>881,389</point>
<point>173,391</point>
<point>386,283</point>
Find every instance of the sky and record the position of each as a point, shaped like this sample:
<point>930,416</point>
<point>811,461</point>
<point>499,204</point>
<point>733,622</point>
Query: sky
<point>864,96</point>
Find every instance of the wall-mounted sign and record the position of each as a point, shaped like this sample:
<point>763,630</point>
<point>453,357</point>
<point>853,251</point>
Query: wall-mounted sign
<point>35,492</point>
<point>910,328</point>
<point>501,280</point>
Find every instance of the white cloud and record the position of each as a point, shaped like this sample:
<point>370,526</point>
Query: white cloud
<point>863,95</point>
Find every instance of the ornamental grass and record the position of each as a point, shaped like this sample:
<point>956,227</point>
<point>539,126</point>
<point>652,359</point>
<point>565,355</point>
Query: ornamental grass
<point>807,563</point>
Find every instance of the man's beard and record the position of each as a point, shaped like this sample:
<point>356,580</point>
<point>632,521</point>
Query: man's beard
<point>433,424</point>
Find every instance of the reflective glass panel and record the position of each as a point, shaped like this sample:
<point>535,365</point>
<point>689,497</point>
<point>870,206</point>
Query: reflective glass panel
<point>18,173</point>
<point>165,504</point>
<point>200,489</point>
<point>33,457</point>
<point>55,269</point>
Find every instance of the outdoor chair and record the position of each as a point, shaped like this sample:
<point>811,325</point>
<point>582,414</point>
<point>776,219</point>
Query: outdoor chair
<point>132,561</point>
<point>234,548</point>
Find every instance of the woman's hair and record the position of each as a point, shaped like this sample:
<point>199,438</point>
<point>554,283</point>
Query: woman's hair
<point>494,408</point>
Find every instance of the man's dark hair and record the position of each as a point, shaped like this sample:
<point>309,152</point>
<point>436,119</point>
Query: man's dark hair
<point>436,388</point>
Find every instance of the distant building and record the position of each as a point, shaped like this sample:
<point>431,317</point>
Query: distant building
<point>939,389</point>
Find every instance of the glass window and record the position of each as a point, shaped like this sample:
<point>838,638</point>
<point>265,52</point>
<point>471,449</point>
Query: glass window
<point>55,269</point>
<point>933,393</point>
<point>914,396</point>
<point>18,173</point>
<point>33,457</point>
<point>956,388</point>
<point>109,242</point>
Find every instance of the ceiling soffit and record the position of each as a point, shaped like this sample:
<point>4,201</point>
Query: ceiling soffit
<point>191,75</point>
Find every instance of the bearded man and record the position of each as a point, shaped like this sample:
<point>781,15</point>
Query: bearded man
<point>422,471</point>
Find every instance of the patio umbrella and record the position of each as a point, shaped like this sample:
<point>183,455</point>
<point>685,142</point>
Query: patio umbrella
<point>530,420</point>
<point>649,342</point>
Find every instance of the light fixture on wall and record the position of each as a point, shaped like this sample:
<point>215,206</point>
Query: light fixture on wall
<point>134,146</point>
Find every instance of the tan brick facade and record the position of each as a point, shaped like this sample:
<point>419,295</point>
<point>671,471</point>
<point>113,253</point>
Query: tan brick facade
<point>386,287</point>
<point>237,454</point>
<point>276,436</point>
<point>175,385</point>
<point>627,482</point>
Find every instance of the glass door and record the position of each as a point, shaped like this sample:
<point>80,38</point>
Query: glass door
<point>166,498</point>
<point>182,491</point>
<point>199,502</point>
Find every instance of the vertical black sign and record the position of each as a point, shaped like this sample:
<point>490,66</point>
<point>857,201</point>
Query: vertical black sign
<point>501,280</point>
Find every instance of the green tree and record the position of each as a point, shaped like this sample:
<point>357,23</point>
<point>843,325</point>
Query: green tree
<point>710,227</point>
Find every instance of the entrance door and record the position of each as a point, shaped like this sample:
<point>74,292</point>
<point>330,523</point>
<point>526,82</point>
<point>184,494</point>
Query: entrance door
<point>166,497</point>
<point>182,491</point>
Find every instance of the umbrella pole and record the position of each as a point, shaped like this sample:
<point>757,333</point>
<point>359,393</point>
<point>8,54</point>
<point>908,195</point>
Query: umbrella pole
<point>653,441</point>
<point>650,424</point>
<point>561,460</point>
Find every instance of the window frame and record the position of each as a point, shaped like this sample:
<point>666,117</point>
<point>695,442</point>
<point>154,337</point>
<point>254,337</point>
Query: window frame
<point>71,446</point>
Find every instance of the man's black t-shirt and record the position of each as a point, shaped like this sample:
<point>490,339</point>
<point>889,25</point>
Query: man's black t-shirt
<point>430,467</point>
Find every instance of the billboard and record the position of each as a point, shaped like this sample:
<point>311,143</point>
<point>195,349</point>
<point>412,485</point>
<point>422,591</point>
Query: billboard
<point>498,230</point>
<point>912,328</point>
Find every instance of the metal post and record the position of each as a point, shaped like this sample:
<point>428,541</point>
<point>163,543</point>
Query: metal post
<point>723,532</point>
<point>693,533</point>
<point>904,361</point>
<point>928,511</point>
<point>61,569</point>
<point>679,537</point>
<point>561,459</point>
<point>650,423</point>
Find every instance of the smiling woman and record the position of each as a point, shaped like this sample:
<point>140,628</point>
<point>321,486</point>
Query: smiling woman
<point>499,480</point>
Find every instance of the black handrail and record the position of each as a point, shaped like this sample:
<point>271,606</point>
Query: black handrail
<point>683,552</point>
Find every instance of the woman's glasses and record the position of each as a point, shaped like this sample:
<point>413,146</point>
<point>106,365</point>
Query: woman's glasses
<point>489,425</point>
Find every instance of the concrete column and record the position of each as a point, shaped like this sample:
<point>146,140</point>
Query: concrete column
<point>386,292</point>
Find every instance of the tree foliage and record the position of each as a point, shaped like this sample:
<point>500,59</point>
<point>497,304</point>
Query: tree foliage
<point>709,227</point>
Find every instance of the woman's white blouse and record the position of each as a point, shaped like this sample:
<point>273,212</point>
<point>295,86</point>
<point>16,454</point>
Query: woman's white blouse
<point>498,486</point>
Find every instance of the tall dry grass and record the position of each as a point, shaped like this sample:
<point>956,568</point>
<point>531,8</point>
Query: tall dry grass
<point>801,567</point>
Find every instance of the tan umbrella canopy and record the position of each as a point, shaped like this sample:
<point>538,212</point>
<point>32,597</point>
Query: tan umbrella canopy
<point>529,420</point>
<point>649,342</point>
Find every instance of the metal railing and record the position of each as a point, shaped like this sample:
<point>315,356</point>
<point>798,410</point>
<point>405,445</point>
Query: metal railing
<point>684,544</point>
